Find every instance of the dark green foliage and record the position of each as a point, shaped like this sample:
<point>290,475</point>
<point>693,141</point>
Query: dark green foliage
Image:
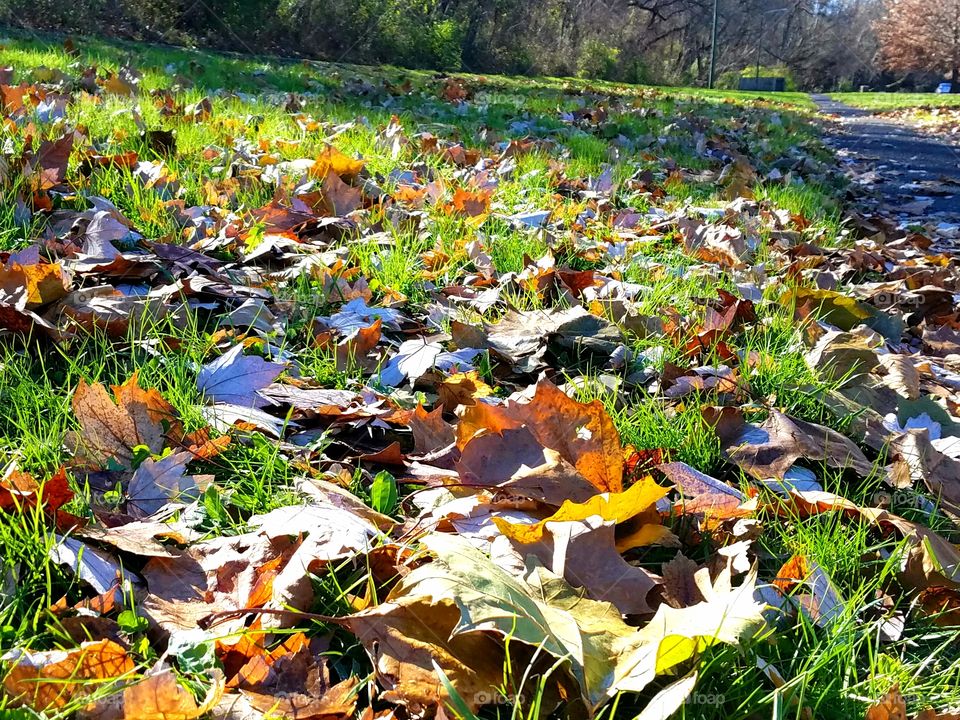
<point>646,41</point>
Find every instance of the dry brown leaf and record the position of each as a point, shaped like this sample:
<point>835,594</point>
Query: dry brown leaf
<point>679,587</point>
<point>405,637</point>
<point>891,706</point>
<point>820,598</point>
<point>840,355</point>
<point>339,198</point>
<point>354,352</point>
<point>917,460</point>
<point>473,204</point>
<point>210,576</point>
<point>160,697</point>
<point>902,375</point>
<point>701,493</point>
<point>585,554</point>
<point>292,681</point>
<point>942,604</point>
<point>32,286</point>
<point>55,678</point>
<point>20,490</point>
<point>430,431</point>
<point>331,534</point>
<point>514,459</point>
<point>462,389</point>
<point>770,449</point>
<point>582,433</point>
<point>110,430</point>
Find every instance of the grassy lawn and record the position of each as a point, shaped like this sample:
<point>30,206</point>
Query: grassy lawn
<point>534,191</point>
<point>895,101</point>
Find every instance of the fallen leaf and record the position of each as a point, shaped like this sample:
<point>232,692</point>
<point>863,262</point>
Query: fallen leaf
<point>902,375</point>
<point>585,554</point>
<point>94,567</point>
<point>158,482</point>
<point>891,706</point>
<point>404,637</point>
<point>55,678</point>
<point>430,431</point>
<point>771,449</point>
<point>339,198</point>
<point>29,287</point>
<point>332,160</point>
<point>605,655</point>
<point>516,461</point>
<point>679,588</point>
<point>160,697</point>
<point>235,378</point>
<point>462,389</point>
<point>821,601</point>
<point>615,507</point>
<point>582,433</point>
<point>111,430</point>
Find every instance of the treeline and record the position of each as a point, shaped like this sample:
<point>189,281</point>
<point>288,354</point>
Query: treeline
<point>819,43</point>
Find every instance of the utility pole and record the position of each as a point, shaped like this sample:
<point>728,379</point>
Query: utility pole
<point>759,48</point>
<point>713,46</point>
<point>763,17</point>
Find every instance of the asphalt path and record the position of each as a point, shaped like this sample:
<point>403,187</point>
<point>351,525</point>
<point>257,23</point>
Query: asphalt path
<point>907,168</point>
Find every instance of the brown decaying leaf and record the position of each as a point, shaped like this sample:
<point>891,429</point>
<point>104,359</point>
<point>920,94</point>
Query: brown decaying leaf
<point>159,696</point>
<point>821,600</point>
<point>19,490</point>
<point>770,449</point>
<point>32,286</point>
<point>515,460</point>
<point>430,431</point>
<point>891,706</point>
<point>354,351</point>
<point>55,678</point>
<point>679,587</point>
<point>585,554</point>
<point>582,433</point>
<point>405,637</point>
<point>112,427</point>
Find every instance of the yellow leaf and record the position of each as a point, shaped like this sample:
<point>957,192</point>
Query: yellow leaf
<point>646,535</point>
<point>610,506</point>
<point>835,308</point>
<point>463,389</point>
<point>36,285</point>
<point>333,160</point>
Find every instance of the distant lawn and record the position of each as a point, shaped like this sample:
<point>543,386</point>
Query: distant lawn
<point>798,99</point>
<point>891,101</point>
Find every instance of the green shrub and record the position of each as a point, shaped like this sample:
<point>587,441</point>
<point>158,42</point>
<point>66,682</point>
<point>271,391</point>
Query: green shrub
<point>446,45</point>
<point>597,60</point>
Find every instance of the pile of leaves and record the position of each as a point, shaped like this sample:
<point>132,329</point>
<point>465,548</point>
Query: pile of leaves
<point>473,515</point>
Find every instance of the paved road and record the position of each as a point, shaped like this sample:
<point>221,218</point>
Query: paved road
<point>909,165</point>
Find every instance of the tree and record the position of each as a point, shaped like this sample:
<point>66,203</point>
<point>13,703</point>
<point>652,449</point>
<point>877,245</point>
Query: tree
<point>921,35</point>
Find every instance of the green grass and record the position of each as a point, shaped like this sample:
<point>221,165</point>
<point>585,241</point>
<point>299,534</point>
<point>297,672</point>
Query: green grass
<point>895,101</point>
<point>645,129</point>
